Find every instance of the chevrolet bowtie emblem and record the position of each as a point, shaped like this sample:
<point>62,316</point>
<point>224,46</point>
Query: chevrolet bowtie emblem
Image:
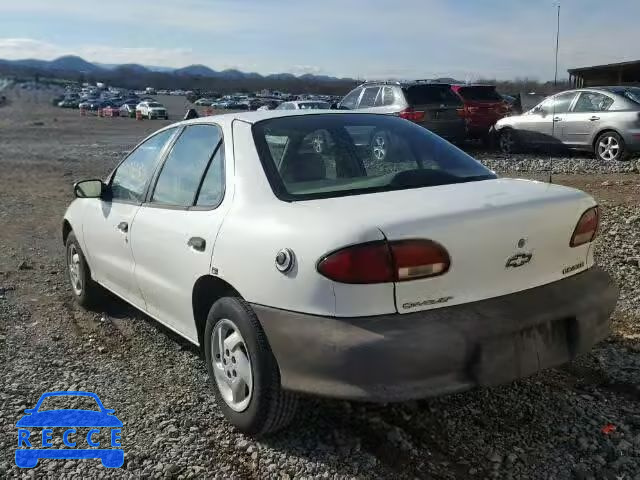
<point>518,260</point>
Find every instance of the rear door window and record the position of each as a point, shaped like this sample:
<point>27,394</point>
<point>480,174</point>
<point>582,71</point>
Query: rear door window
<point>182,172</point>
<point>431,94</point>
<point>369,97</point>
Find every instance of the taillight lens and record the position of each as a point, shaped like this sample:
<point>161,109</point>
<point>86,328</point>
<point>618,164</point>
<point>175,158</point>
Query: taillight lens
<point>412,115</point>
<point>384,262</point>
<point>587,228</point>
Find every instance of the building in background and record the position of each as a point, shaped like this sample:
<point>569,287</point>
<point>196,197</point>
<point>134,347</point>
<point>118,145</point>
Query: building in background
<point>625,73</point>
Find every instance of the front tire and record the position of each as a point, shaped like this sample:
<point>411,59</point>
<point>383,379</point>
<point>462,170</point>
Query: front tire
<point>243,370</point>
<point>86,292</point>
<point>508,141</point>
<point>610,147</point>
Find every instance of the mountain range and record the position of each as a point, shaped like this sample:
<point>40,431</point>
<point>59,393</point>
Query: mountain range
<point>72,63</point>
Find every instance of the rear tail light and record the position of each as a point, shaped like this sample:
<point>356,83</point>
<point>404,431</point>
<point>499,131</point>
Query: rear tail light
<point>587,228</point>
<point>412,115</point>
<point>384,262</point>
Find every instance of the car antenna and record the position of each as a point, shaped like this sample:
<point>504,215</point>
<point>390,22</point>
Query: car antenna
<point>555,87</point>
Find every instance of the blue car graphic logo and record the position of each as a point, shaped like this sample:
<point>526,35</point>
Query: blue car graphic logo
<point>34,444</point>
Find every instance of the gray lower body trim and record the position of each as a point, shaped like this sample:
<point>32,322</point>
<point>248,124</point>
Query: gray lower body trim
<point>407,356</point>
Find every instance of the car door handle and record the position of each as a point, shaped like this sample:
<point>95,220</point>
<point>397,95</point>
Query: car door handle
<point>557,119</point>
<point>196,243</point>
<point>123,227</point>
<point>594,118</point>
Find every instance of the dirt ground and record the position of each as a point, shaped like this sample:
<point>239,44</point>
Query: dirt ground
<point>545,427</point>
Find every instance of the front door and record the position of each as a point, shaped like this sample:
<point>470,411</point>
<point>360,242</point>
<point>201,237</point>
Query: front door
<point>175,229</point>
<point>108,223</point>
<point>543,125</point>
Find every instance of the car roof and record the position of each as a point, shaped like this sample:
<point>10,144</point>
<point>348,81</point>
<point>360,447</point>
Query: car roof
<point>253,117</point>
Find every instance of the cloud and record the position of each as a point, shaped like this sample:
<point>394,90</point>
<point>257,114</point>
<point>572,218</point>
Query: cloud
<point>20,48</point>
<point>466,39</point>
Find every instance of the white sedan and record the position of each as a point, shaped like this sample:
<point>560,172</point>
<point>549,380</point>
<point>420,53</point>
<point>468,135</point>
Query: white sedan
<point>337,273</point>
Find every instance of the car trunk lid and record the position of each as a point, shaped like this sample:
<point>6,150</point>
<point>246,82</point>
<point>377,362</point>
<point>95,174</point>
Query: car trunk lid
<point>502,236</point>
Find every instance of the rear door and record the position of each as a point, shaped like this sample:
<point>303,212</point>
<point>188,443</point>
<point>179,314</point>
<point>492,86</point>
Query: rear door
<point>589,112</point>
<point>108,223</point>
<point>440,106</point>
<point>175,229</point>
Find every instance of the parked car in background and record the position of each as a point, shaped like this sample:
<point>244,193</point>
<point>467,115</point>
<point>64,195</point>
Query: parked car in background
<point>128,108</point>
<point>203,102</point>
<point>111,110</point>
<point>68,103</point>
<point>269,104</point>
<point>432,105</point>
<point>482,108</point>
<point>304,105</point>
<point>370,288</point>
<point>152,110</point>
<point>603,120</point>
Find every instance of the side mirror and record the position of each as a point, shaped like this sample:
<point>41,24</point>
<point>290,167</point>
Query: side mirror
<point>89,189</point>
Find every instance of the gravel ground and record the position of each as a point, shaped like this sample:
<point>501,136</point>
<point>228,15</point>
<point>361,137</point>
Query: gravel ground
<point>545,427</point>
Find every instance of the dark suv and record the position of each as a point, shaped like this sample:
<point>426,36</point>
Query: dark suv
<point>430,104</point>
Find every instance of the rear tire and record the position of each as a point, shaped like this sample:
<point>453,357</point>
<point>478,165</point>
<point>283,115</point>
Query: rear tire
<point>610,147</point>
<point>86,292</point>
<point>262,406</point>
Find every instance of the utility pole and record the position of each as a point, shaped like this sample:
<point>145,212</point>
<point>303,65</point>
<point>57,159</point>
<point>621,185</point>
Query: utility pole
<point>555,79</point>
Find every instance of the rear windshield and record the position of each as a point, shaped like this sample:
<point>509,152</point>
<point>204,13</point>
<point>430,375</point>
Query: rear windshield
<point>332,155</point>
<point>431,94</point>
<point>632,93</point>
<point>480,94</point>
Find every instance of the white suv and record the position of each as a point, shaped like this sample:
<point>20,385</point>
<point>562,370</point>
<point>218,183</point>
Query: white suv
<point>152,110</point>
<point>335,274</point>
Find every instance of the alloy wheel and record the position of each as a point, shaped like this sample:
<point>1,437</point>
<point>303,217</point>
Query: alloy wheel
<point>73,263</point>
<point>231,365</point>
<point>379,147</point>
<point>608,148</point>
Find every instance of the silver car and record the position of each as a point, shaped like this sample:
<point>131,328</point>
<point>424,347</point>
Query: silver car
<point>604,120</point>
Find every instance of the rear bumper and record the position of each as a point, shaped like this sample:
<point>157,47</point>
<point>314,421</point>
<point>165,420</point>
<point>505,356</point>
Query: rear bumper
<point>454,130</point>
<point>632,140</point>
<point>407,356</point>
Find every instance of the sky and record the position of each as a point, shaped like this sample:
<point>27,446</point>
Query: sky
<point>366,39</point>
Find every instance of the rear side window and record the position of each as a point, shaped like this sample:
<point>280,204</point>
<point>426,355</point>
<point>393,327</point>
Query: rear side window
<point>387,97</point>
<point>632,93</point>
<point>431,94</point>
<point>332,155</point>
<point>480,94</point>
<point>181,173</point>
